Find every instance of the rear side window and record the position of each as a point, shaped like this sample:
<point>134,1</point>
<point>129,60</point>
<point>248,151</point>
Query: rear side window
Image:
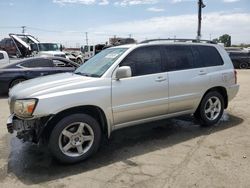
<point>144,60</point>
<point>1,56</point>
<point>177,57</point>
<point>207,56</point>
<point>37,63</point>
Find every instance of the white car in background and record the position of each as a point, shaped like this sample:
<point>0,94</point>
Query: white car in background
<point>4,58</point>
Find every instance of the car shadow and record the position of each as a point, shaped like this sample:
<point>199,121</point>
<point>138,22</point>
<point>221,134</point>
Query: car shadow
<point>32,164</point>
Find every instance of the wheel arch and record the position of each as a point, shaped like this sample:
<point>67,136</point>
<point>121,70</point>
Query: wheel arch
<point>93,111</point>
<point>16,78</point>
<point>222,90</point>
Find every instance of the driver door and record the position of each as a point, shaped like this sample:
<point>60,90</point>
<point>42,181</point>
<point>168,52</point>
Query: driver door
<point>145,94</point>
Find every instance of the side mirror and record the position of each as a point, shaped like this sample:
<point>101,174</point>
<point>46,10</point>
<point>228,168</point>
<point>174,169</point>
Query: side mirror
<point>123,72</point>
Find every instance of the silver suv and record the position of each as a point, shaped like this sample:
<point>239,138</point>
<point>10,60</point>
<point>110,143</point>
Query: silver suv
<point>119,87</point>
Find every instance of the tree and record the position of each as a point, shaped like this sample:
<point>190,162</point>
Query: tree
<point>226,39</point>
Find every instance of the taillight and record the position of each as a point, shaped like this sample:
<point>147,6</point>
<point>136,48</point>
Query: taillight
<point>235,76</point>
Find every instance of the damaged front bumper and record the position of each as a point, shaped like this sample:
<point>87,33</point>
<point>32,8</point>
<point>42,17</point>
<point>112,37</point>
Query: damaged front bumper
<point>27,130</point>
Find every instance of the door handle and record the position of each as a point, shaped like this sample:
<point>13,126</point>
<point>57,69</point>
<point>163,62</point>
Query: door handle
<point>202,72</point>
<point>160,79</point>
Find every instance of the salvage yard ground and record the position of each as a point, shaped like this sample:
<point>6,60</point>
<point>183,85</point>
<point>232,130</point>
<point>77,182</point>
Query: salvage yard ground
<point>170,153</point>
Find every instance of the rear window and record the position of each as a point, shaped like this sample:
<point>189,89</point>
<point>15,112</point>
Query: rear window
<point>207,56</point>
<point>37,63</point>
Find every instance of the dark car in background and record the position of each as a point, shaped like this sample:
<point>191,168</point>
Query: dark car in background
<point>240,59</point>
<point>26,69</point>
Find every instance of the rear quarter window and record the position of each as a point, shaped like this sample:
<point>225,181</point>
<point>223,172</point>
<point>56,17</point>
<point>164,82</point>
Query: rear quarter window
<point>207,56</point>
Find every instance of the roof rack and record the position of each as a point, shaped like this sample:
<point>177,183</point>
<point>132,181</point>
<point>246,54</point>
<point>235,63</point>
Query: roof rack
<point>179,40</point>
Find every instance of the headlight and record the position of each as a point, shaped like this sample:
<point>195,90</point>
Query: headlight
<point>25,107</point>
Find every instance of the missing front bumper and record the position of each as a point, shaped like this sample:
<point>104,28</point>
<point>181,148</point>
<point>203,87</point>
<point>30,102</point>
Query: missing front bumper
<point>27,130</point>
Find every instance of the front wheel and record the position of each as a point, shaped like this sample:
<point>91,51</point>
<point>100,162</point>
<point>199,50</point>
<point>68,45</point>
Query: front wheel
<point>211,108</point>
<point>75,138</point>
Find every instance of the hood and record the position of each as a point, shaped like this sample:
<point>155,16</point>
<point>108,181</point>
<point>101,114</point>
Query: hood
<point>50,84</point>
<point>19,40</point>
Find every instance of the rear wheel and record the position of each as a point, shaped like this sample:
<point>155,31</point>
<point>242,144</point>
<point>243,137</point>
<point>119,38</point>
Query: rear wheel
<point>16,81</point>
<point>210,109</point>
<point>75,138</point>
<point>243,65</point>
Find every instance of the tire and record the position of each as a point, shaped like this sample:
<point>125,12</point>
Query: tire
<point>243,65</point>
<point>210,109</point>
<point>15,82</point>
<point>72,133</point>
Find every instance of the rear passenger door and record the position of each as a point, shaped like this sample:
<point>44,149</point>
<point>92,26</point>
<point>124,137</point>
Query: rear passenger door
<point>187,78</point>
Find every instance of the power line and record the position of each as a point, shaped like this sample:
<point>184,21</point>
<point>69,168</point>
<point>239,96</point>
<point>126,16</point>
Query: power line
<point>44,30</point>
<point>8,27</point>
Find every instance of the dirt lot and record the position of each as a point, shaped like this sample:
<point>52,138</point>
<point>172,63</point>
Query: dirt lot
<point>170,153</point>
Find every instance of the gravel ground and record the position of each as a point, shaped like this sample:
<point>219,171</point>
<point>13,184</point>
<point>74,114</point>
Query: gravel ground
<point>170,153</point>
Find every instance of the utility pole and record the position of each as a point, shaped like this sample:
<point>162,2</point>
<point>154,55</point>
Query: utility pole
<point>23,29</point>
<point>87,40</point>
<point>201,5</point>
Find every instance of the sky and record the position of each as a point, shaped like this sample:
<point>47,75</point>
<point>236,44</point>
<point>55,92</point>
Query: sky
<point>67,21</point>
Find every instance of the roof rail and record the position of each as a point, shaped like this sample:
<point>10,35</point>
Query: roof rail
<point>179,40</point>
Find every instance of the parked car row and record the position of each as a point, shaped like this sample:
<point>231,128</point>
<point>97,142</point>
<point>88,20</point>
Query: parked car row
<point>24,45</point>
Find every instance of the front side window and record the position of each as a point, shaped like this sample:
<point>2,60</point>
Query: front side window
<point>100,63</point>
<point>177,57</point>
<point>48,47</point>
<point>144,60</point>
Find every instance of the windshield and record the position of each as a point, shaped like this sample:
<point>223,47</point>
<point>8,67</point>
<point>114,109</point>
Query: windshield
<point>48,47</point>
<point>100,63</point>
